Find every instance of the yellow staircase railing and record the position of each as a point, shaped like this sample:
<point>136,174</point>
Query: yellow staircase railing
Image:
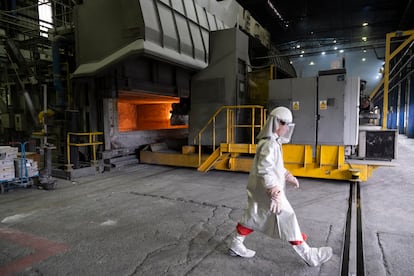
<point>256,121</point>
<point>212,160</point>
<point>92,140</point>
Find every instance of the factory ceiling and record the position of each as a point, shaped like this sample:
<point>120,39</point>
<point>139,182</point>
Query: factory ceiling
<point>302,25</point>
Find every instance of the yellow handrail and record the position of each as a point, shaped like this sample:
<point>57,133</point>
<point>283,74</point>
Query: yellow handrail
<point>91,142</point>
<point>390,53</point>
<point>231,124</point>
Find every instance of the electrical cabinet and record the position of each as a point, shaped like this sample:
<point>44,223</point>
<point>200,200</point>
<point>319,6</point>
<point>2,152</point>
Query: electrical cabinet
<point>325,108</point>
<point>19,122</point>
<point>338,110</point>
<point>5,120</point>
<point>300,95</point>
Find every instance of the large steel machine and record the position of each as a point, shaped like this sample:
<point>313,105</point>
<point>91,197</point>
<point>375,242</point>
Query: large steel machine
<point>329,141</point>
<point>174,83</point>
<point>172,70</point>
<point>132,84</point>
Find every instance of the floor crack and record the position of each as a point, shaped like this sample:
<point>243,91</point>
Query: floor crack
<point>150,254</point>
<point>206,255</point>
<point>384,260</point>
<point>200,203</point>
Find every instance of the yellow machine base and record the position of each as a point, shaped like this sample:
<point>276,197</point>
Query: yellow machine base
<point>329,163</point>
<point>171,159</point>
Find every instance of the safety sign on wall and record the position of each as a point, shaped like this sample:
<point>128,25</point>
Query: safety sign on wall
<point>295,105</point>
<point>323,104</point>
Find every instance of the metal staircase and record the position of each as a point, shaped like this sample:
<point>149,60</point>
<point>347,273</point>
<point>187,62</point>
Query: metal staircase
<point>242,124</point>
<point>15,56</point>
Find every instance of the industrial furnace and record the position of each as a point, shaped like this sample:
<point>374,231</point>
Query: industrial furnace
<point>136,61</point>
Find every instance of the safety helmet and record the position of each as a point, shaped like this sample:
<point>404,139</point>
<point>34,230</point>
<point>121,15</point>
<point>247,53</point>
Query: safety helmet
<point>283,114</point>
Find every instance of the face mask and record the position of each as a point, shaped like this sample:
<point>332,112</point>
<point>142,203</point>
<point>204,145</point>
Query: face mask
<point>286,137</point>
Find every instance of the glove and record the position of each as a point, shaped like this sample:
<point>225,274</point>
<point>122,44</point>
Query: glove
<point>275,202</point>
<point>275,205</point>
<point>291,179</point>
<point>274,191</point>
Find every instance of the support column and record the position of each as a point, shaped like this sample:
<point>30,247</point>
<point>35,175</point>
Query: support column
<point>410,100</point>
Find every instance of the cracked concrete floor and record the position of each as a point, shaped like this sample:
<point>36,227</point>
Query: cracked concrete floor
<point>156,220</point>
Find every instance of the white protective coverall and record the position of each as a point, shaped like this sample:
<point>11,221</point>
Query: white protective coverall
<point>268,209</point>
<point>268,171</point>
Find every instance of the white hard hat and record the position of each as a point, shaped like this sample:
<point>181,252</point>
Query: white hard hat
<point>282,113</point>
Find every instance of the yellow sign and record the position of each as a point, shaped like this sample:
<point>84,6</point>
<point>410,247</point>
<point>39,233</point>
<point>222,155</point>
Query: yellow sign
<point>323,105</point>
<point>295,106</point>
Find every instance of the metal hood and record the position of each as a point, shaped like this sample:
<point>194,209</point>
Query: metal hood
<point>174,31</point>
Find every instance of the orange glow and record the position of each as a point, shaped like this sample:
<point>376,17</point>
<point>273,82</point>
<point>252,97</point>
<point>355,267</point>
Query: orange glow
<point>145,112</point>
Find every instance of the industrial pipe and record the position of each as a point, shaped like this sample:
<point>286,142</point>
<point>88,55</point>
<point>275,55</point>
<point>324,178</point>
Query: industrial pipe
<point>3,106</point>
<point>30,106</point>
<point>57,82</point>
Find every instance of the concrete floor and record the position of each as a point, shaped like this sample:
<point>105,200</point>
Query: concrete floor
<point>156,220</point>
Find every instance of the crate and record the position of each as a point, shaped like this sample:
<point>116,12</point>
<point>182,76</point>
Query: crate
<point>7,176</point>
<point>35,156</point>
<point>31,166</point>
<point>8,153</point>
<point>6,164</point>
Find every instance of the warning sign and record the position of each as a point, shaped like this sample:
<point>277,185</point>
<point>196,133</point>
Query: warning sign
<point>295,105</point>
<point>323,104</point>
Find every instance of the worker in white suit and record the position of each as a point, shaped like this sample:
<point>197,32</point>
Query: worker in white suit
<point>268,210</point>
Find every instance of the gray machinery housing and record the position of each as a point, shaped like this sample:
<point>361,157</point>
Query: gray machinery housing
<point>325,108</point>
<point>108,31</point>
<point>223,82</point>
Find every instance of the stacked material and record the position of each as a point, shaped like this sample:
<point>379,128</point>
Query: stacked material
<point>7,156</point>
<point>30,170</point>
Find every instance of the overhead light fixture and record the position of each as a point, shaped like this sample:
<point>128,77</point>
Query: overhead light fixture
<point>335,48</point>
<point>323,53</point>
<point>363,59</point>
<point>275,10</point>
<point>364,24</point>
<point>298,46</point>
<point>301,55</point>
<point>365,50</point>
<point>364,38</point>
<point>311,63</point>
<point>341,51</point>
<point>334,41</point>
<point>302,52</point>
